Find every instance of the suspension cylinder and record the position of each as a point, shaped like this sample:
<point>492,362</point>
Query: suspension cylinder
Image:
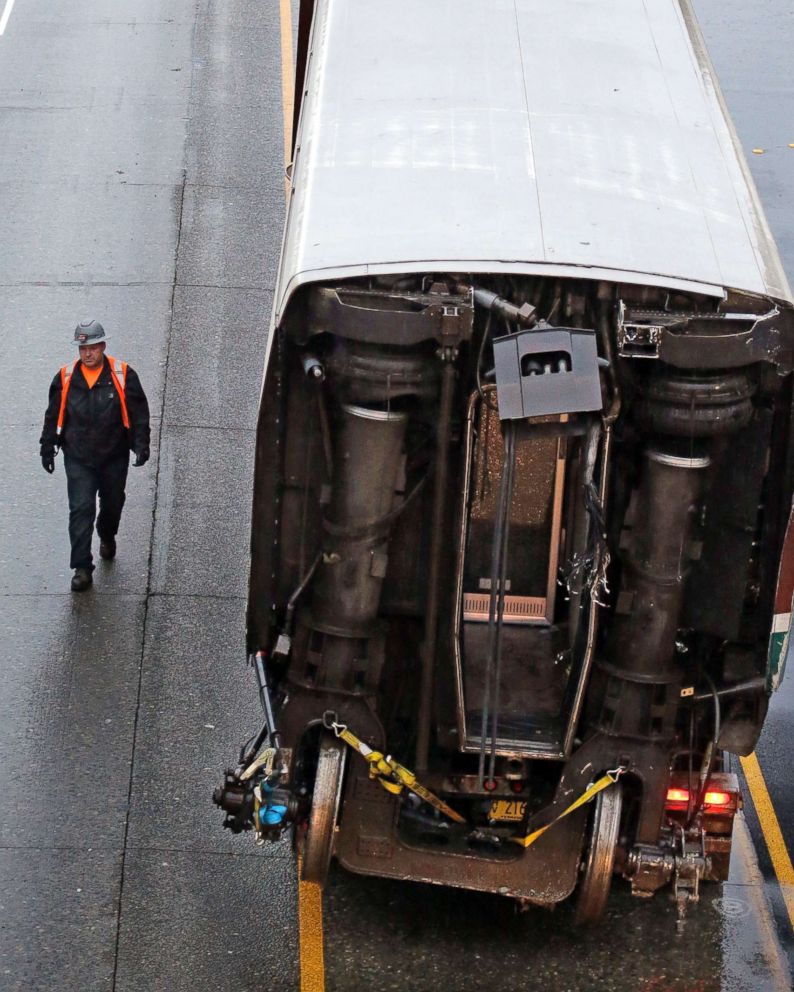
<point>366,462</point>
<point>636,685</point>
<point>340,629</point>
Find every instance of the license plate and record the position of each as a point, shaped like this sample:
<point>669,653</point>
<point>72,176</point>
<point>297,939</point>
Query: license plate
<point>507,810</point>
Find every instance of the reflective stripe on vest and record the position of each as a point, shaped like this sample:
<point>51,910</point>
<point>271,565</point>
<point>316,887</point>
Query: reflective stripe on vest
<point>118,373</point>
<point>66,381</point>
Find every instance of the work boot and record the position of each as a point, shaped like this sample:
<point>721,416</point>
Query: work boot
<point>107,548</point>
<point>81,580</point>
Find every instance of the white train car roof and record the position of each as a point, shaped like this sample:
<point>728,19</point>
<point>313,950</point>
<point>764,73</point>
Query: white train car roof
<point>525,136</point>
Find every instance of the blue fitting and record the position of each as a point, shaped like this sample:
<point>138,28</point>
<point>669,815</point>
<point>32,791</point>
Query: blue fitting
<point>272,816</point>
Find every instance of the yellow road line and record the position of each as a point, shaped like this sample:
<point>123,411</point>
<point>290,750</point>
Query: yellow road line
<point>310,902</point>
<point>770,828</point>
<point>310,926</point>
<point>287,79</point>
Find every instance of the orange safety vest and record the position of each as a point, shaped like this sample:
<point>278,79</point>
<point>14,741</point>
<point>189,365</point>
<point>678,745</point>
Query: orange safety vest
<point>118,373</point>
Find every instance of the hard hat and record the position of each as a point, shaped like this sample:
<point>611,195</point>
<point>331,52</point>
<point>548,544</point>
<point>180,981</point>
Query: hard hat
<point>89,332</point>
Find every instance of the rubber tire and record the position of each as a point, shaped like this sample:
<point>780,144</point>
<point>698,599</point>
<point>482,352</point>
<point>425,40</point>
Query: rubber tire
<point>319,841</point>
<point>593,891</point>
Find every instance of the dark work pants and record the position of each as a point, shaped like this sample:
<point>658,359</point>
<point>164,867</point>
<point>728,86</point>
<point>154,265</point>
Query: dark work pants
<point>83,484</point>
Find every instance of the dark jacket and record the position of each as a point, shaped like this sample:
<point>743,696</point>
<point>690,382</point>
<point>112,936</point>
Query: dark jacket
<point>93,431</point>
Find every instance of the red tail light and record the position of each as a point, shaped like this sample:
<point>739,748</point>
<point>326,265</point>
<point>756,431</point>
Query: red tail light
<point>718,798</point>
<point>722,795</point>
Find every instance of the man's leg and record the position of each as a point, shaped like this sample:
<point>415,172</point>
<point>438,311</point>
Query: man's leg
<point>82,483</point>
<point>112,479</point>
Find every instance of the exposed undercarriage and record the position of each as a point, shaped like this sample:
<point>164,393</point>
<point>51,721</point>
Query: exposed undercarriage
<point>518,538</point>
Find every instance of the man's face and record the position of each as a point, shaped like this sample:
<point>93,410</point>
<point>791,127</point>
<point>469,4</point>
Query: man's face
<point>91,354</point>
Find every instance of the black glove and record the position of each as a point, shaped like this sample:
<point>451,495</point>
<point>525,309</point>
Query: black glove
<point>141,457</point>
<point>48,463</point>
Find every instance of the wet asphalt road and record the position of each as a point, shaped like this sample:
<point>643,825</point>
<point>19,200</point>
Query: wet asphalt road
<point>141,182</point>
<point>752,48</point>
<point>138,185</point>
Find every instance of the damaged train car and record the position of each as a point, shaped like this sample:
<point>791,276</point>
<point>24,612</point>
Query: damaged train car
<point>520,571</point>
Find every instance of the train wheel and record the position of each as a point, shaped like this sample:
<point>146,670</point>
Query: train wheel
<point>596,881</point>
<point>319,842</point>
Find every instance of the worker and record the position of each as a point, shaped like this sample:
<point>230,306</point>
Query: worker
<point>97,414</point>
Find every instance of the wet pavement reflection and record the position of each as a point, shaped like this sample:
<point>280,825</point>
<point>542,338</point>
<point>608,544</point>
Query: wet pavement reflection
<point>402,935</point>
<point>141,181</point>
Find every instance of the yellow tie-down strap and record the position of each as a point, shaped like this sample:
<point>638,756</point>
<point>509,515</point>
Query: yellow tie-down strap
<point>609,778</point>
<point>390,773</point>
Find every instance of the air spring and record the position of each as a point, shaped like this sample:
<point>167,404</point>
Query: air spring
<point>705,405</point>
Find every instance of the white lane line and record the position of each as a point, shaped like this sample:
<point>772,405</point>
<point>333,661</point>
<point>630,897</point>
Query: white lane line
<point>6,14</point>
<point>740,945</point>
